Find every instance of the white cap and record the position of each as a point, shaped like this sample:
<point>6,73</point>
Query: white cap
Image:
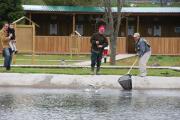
<point>136,35</point>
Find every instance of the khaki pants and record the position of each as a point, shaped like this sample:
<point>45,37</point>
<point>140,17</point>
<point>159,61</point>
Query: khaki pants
<point>142,63</point>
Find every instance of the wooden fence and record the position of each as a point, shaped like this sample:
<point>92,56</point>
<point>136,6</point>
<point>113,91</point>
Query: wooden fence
<point>164,45</point>
<point>61,44</point>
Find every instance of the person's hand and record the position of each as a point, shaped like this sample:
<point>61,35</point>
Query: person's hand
<point>10,36</point>
<point>97,42</point>
<point>100,46</point>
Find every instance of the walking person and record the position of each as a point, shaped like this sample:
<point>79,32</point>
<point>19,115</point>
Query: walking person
<point>98,42</point>
<point>105,53</point>
<point>143,50</point>
<point>7,52</point>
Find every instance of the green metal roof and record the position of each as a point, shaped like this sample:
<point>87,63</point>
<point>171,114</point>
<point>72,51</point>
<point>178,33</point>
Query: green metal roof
<point>62,8</point>
<point>85,9</point>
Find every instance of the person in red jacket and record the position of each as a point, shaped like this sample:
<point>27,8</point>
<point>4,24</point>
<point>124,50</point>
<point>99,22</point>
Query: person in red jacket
<point>105,53</point>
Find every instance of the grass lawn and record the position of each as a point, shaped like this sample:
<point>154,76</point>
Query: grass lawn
<point>155,60</point>
<point>56,59</point>
<point>48,59</point>
<point>86,71</point>
<point>53,57</point>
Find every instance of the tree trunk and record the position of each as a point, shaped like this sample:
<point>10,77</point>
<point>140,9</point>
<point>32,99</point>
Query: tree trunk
<point>113,41</point>
<point>161,2</point>
<point>113,26</point>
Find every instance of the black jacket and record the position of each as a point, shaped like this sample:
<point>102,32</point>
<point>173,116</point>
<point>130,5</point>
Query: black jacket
<point>102,41</point>
<point>12,31</point>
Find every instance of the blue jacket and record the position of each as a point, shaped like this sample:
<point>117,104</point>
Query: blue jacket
<point>142,47</point>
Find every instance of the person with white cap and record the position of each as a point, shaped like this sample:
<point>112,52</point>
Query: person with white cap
<point>143,50</point>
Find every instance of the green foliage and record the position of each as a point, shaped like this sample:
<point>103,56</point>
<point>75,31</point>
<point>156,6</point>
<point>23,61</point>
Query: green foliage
<point>10,10</point>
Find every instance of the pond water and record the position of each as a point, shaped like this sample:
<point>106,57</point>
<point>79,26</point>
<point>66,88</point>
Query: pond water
<point>89,104</point>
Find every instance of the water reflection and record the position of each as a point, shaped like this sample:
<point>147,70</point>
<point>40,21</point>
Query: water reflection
<point>7,100</point>
<point>62,104</point>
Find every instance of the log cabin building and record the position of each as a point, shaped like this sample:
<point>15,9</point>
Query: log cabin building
<point>159,25</point>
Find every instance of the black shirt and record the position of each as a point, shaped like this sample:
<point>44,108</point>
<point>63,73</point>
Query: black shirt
<point>12,31</point>
<point>102,41</point>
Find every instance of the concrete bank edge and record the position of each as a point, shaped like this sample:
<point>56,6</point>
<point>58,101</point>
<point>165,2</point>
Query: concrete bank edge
<point>85,81</point>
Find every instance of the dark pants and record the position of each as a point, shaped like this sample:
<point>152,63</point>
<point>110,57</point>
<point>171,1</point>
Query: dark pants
<point>96,59</point>
<point>7,54</point>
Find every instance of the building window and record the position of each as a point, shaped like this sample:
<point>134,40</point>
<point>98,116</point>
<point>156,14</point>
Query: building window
<point>177,29</point>
<point>53,29</point>
<point>79,28</point>
<point>157,30</point>
<point>130,30</point>
<point>149,30</point>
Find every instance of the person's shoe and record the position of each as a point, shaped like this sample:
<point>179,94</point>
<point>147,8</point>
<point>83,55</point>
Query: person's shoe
<point>97,71</point>
<point>8,68</point>
<point>142,75</point>
<point>92,71</point>
<point>16,52</point>
<point>105,60</point>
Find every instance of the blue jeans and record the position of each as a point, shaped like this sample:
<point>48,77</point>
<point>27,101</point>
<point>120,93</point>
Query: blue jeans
<point>7,53</point>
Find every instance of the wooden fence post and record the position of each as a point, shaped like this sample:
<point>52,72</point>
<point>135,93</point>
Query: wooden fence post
<point>33,43</point>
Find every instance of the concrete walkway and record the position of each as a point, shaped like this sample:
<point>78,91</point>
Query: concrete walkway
<point>85,81</point>
<point>118,57</point>
<point>88,66</point>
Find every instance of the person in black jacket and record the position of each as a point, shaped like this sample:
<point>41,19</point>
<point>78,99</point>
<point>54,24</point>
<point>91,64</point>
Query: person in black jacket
<point>98,42</point>
<point>12,42</point>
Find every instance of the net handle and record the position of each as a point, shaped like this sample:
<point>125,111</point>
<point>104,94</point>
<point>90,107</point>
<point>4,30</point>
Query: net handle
<point>132,65</point>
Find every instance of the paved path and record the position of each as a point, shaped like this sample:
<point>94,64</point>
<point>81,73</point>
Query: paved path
<point>118,57</point>
<point>175,68</point>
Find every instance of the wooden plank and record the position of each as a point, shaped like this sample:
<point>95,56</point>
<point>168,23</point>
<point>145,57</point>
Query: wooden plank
<point>24,26</point>
<point>33,43</point>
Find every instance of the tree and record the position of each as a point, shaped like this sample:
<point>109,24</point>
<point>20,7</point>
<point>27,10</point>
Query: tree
<point>10,10</point>
<point>113,23</point>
